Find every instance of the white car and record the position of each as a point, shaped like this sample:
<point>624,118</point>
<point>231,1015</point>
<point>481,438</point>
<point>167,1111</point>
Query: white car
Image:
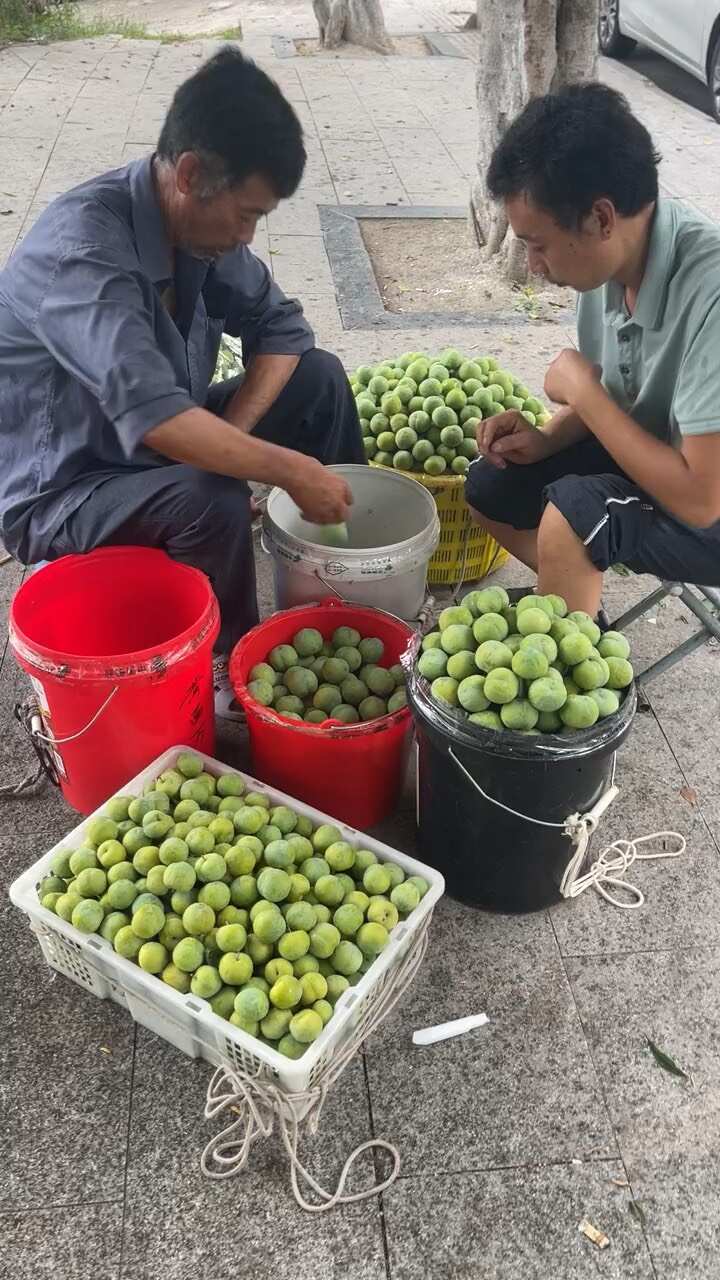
<point>685,31</point>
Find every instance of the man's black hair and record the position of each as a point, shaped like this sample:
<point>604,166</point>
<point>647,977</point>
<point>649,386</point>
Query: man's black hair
<point>236,119</point>
<point>565,150</point>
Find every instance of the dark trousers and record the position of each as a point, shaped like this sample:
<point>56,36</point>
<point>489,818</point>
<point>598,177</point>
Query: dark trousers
<point>203,519</point>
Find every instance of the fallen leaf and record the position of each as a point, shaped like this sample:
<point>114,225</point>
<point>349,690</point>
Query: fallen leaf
<point>104,1049</point>
<point>4,213</point>
<point>620,1182</point>
<point>689,794</point>
<point>598,1237</point>
<point>665,1061</point>
<point>236,1110</point>
<point>637,1211</point>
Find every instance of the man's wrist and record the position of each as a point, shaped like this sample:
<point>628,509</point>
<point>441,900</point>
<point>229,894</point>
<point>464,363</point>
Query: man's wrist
<point>589,400</point>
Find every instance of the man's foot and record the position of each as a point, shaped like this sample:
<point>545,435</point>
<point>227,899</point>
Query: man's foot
<point>227,706</point>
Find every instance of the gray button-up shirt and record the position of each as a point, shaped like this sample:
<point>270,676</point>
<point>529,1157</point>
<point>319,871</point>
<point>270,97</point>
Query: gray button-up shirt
<point>90,357</point>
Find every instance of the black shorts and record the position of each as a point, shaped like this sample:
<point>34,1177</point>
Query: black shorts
<point>617,522</point>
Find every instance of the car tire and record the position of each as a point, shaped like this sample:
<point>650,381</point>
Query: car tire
<point>610,38</point>
<point>714,79</point>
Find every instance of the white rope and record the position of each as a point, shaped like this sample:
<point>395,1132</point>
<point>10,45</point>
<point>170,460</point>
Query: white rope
<point>260,1104</point>
<point>615,860</point>
<point>613,864</point>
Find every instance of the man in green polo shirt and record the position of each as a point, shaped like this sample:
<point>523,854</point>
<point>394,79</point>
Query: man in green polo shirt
<point>628,469</point>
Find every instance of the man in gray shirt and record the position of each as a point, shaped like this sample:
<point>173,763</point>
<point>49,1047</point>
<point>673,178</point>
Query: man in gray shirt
<point>111,314</point>
<point>628,469</point>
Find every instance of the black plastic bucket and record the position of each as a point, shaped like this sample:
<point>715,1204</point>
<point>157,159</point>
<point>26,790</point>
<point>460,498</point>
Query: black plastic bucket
<point>490,857</point>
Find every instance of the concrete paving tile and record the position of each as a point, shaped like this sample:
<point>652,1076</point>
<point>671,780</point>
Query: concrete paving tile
<point>12,74</point>
<point>678,699</point>
<point>679,1195</point>
<point>10,226</point>
<point>358,129</point>
<point>134,151</point>
<point>510,1223</point>
<point>298,216</point>
<point>672,1000</point>
<point>273,1239</point>
<point>682,898</point>
<point>66,1103</point>
<point>67,1061</point>
<point>709,205</point>
<point>29,123</point>
<point>78,1242</point>
<point>23,165</point>
<point>89,136</point>
<point>468,1109</point>
<point>668,1129</point>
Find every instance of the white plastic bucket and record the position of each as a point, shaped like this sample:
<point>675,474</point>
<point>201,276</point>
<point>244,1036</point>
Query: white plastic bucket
<point>393,531</point>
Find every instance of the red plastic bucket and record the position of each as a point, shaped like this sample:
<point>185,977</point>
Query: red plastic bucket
<point>118,645</point>
<point>355,771</point>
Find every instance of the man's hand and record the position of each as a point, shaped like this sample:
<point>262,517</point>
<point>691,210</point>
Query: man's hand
<point>322,496</point>
<point>568,376</point>
<point>508,437</point>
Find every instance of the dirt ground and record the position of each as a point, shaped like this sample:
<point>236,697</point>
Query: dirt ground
<point>432,264</point>
<point>405,47</point>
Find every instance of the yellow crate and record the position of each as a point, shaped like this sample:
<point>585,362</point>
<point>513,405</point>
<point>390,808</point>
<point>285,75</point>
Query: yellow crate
<point>465,552</point>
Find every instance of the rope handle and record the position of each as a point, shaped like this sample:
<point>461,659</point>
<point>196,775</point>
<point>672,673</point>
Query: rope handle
<point>259,1103</point>
<point>615,859</point>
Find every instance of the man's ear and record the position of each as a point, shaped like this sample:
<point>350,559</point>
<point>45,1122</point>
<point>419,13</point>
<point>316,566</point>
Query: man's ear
<point>603,218</point>
<point>187,173</point>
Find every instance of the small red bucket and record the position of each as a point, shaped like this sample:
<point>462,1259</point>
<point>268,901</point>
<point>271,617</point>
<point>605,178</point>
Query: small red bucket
<point>118,645</point>
<point>355,771</point>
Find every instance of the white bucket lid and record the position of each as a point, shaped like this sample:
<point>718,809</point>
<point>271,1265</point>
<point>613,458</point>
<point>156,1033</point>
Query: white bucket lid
<point>393,523</point>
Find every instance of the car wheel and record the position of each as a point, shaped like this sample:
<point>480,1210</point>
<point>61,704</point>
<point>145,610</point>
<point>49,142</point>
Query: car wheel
<point>611,40</point>
<point>714,79</point>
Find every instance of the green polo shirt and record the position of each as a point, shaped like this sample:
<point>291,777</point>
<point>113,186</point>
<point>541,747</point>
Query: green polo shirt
<point>662,364</point>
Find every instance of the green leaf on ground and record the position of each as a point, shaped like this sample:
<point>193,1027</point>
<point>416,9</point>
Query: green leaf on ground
<point>665,1061</point>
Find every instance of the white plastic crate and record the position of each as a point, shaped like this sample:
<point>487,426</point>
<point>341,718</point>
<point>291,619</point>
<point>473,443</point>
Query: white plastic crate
<point>187,1021</point>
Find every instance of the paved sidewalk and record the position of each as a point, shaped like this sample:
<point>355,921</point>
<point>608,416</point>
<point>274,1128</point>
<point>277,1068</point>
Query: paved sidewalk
<point>556,1112</point>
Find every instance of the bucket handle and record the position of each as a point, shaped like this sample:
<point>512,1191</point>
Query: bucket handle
<point>425,613</point>
<point>71,737</point>
<point>575,825</point>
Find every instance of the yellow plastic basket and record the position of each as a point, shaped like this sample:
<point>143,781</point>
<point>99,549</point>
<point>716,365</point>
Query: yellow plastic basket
<point>465,553</point>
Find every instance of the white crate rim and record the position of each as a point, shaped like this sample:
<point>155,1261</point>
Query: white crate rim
<point>99,954</point>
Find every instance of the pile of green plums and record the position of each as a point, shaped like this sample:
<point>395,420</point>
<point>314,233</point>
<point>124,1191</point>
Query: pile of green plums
<point>422,413</point>
<point>248,905</point>
<point>532,667</point>
<point>342,678</point>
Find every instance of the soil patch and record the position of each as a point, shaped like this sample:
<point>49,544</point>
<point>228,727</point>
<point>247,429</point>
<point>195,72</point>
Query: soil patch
<point>433,265</point>
<point>405,47</point>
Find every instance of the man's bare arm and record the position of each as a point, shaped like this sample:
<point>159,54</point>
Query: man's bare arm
<point>266,377</point>
<point>211,444</point>
<point>685,481</point>
<point>566,427</point>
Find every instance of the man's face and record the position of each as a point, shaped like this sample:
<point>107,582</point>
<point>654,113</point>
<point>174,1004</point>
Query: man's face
<point>583,258</point>
<point>208,226</point>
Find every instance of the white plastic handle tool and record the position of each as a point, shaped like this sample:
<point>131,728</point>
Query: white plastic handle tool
<point>446,1030</point>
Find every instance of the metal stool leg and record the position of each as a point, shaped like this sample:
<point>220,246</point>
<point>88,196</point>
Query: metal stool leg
<point>692,601</point>
<point>642,607</point>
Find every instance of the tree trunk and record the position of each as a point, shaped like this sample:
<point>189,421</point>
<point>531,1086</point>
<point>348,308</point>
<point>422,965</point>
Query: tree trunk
<point>355,21</point>
<point>527,48</point>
